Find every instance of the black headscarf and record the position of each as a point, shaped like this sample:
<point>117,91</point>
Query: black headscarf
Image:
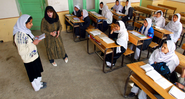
<point>50,20</point>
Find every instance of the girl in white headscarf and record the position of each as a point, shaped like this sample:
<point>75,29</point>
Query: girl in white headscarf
<point>100,8</point>
<point>164,54</point>
<point>174,26</point>
<point>108,15</point>
<point>117,7</point>
<point>122,40</point>
<point>26,46</point>
<point>148,31</point>
<point>77,11</point>
<point>84,25</point>
<point>128,11</point>
<point>158,19</point>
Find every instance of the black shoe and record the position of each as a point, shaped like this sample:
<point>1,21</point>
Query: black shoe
<point>44,83</point>
<point>44,86</point>
<point>131,94</point>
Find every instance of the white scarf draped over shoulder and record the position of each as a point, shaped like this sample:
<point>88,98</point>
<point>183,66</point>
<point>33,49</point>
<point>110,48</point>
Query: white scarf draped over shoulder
<point>175,27</point>
<point>107,14</point>
<point>127,7</point>
<point>149,21</point>
<point>160,22</point>
<point>85,13</point>
<point>170,58</point>
<point>118,8</point>
<point>122,39</point>
<point>20,26</point>
<point>76,7</point>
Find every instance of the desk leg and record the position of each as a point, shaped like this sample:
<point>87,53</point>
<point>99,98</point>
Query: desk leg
<point>134,49</point>
<point>104,60</point>
<point>112,58</point>
<point>126,84</point>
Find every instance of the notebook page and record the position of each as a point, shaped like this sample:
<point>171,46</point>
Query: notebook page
<point>164,83</point>
<point>177,93</point>
<point>154,75</point>
<point>147,67</point>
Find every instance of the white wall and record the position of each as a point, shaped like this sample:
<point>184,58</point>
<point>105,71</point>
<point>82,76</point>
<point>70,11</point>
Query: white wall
<point>8,9</point>
<point>59,5</point>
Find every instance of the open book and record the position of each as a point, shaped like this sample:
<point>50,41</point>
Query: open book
<point>177,93</point>
<point>152,73</point>
<point>138,34</point>
<point>95,32</point>
<point>107,39</point>
<point>40,37</point>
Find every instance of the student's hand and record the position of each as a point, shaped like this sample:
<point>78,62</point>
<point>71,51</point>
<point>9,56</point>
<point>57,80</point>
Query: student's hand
<point>155,62</point>
<point>179,85</point>
<point>36,41</point>
<point>53,33</point>
<point>114,10</point>
<point>81,17</point>
<point>112,30</point>
<point>58,32</point>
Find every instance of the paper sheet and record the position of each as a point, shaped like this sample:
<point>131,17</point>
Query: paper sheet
<point>177,93</point>
<point>76,19</point>
<point>164,83</point>
<point>68,14</point>
<point>154,75</point>
<point>95,32</point>
<point>41,37</point>
<point>107,40</point>
<point>147,67</point>
<point>158,28</point>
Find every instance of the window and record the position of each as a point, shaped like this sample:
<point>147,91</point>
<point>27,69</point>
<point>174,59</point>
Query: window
<point>89,5</point>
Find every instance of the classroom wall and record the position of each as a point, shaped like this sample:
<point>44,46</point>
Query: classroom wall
<point>178,5</point>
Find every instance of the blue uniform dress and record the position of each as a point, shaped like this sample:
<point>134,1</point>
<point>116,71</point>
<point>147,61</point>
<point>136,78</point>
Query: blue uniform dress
<point>147,42</point>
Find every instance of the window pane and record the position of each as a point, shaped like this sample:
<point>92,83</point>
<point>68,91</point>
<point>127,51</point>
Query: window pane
<point>90,4</point>
<point>79,3</point>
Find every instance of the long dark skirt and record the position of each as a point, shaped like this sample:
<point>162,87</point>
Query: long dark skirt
<point>146,43</point>
<point>34,69</point>
<point>116,55</point>
<point>81,33</point>
<point>105,26</point>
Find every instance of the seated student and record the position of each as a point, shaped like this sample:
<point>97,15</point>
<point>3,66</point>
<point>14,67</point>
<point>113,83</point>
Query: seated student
<point>127,10</point>
<point>108,15</point>
<point>148,31</point>
<point>84,25</point>
<point>174,26</point>
<point>181,81</point>
<point>158,19</point>
<point>100,8</point>
<point>117,7</point>
<point>77,11</point>
<point>122,40</point>
<point>164,55</point>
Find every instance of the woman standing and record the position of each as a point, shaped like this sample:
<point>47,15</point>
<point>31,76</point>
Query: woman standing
<point>174,26</point>
<point>52,28</point>
<point>26,46</point>
<point>119,32</point>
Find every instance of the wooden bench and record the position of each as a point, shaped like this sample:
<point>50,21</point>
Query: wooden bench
<point>152,45</point>
<point>91,27</point>
<point>137,26</point>
<point>169,7</point>
<point>158,8</point>
<point>183,47</point>
<point>144,10</point>
<point>126,53</point>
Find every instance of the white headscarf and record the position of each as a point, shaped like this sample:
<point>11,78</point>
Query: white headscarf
<point>160,22</point>
<point>76,7</point>
<point>100,7</point>
<point>149,21</point>
<point>127,7</point>
<point>122,37</point>
<point>21,25</point>
<point>175,27</point>
<point>85,13</point>
<point>107,14</point>
<point>118,8</point>
<point>170,58</point>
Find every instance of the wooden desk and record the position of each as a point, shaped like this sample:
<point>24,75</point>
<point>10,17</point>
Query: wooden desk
<point>182,14</point>
<point>103,46</point>
<point>146,83</point>
<point>96,19</point>
<point>73,23</point>
<point>164,10</point>
<point>145,10</point>
<point>117,16</point>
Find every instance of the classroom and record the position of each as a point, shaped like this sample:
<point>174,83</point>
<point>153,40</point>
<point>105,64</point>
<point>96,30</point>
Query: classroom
<point>107,49</point>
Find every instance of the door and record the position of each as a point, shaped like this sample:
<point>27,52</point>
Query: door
<point>35,8</point>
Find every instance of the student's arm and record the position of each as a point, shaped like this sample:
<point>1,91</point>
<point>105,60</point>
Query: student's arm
<point>151,33</point>
<point>59,28</point>
<point>130,13</point>
<point>152,57</point>
<point>86,23</point>
<point>73,13</point>
<point>140,29</point>
<point>123,11</point>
